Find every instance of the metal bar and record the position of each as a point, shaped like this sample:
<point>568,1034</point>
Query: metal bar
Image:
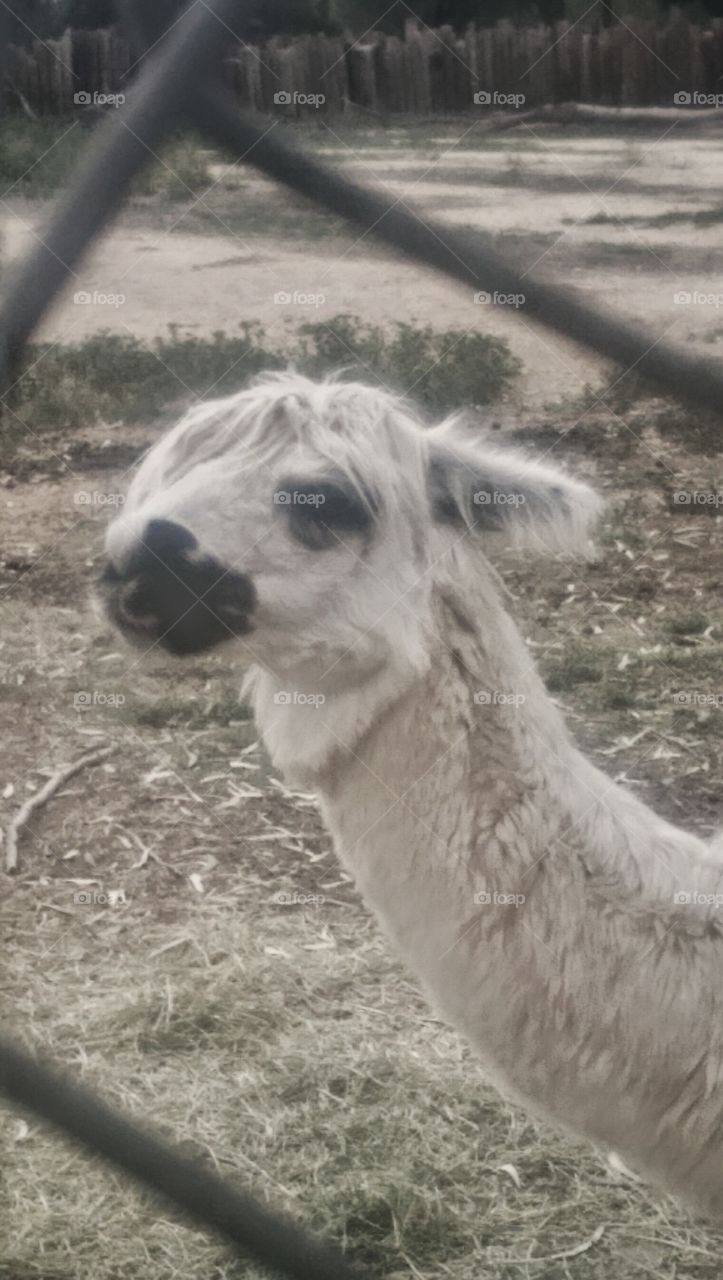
<point>464,256</point>
<point>114,156</point>
<point>276,1242</point>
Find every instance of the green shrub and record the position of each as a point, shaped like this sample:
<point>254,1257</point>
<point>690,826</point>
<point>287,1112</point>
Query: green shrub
<point>111,376</point>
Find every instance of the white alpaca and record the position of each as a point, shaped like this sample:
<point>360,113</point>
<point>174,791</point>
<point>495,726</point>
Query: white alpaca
<point>562,926</point>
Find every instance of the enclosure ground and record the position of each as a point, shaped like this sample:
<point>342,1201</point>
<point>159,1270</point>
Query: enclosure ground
<point>278,1039</point>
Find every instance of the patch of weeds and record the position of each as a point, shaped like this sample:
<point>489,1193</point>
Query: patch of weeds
<point>268,213</point>
<point>619,530</point>
<point>689,624</point>
<point>699,720</point>
<point>37,156</point>
<point>571,669</point>
<point>696,218</point>
<point>193,713</point>
<point>115,376</point>
<point>182,170</point>
<point>694,428</point>
<point>381,1216</point>
<point>617,697</point>
<point>442,370</point>
<point>625,391</point>
<point>699,666</point>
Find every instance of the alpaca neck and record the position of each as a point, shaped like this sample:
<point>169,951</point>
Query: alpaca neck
<point>469,776</point>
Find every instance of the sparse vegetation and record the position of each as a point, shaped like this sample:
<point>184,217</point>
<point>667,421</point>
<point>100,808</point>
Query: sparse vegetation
<point>37,155</point>
<point>689,624</point>
<point>116,376</point>
<point>696,217</point>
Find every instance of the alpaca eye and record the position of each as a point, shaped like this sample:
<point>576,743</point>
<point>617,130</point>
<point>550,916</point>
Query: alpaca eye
<point>321,513</point>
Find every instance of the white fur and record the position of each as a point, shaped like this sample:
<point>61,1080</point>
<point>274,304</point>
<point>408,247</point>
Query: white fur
<point>598,1000</point>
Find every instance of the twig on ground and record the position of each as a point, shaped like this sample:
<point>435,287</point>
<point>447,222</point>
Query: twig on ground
<point>54,783</point>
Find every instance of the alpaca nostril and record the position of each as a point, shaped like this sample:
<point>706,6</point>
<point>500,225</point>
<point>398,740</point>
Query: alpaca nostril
<point>163,540</point>
<point>134,607</point>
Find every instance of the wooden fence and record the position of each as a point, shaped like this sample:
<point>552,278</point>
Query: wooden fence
<point>424,73</point>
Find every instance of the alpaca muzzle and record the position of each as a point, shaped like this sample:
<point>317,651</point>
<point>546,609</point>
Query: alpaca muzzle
<point>170,593</point>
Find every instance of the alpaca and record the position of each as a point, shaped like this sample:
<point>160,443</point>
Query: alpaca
<point>564,928</point>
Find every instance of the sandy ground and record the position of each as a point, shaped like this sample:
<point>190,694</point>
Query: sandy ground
<point>215,278</point>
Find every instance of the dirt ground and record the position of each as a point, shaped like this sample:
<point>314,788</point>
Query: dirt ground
<point>280,1040</point>
<point>202,264</point>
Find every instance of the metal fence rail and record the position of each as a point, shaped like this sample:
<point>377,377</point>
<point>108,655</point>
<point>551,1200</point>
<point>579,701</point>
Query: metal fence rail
<point>175,82</point>
<point>162,94</point>
<point>206,1198</point>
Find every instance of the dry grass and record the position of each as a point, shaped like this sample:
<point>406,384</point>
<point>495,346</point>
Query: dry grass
<point>284,1046</point>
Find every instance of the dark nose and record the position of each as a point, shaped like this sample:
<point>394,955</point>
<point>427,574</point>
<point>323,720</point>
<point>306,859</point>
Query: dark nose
<point>171,593</point>
<point>163,541</point>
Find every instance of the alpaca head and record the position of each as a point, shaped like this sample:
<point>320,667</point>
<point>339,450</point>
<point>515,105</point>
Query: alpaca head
<point>310,520</point>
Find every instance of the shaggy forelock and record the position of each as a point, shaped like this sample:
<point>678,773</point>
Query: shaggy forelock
<point>363,435</point>
<point>286,426</point>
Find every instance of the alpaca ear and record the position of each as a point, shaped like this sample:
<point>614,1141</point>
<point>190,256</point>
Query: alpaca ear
<point>492,491</point>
